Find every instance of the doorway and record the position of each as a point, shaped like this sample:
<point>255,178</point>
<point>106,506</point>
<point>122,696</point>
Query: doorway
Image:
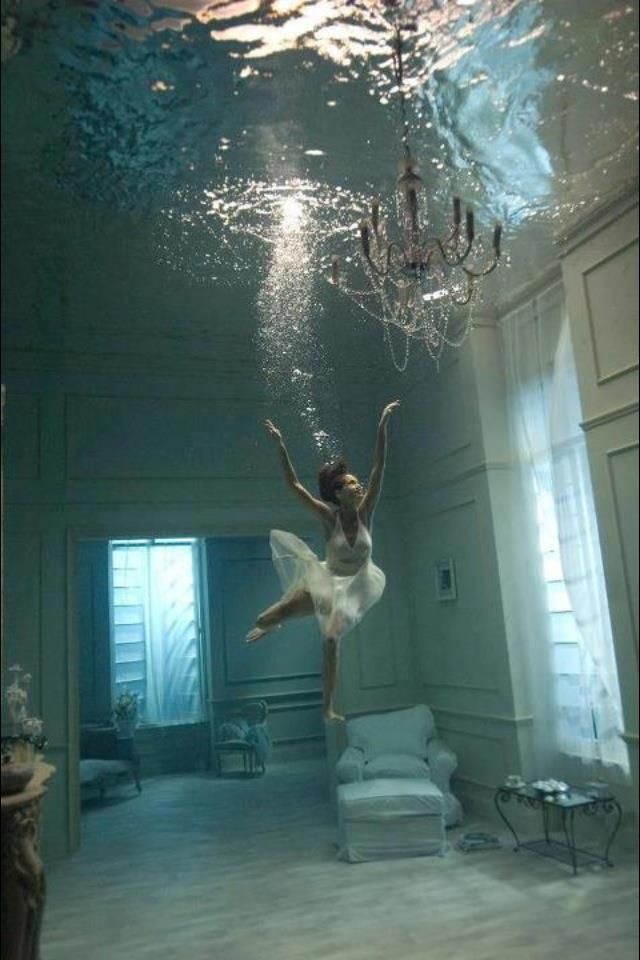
<point>143,664</point>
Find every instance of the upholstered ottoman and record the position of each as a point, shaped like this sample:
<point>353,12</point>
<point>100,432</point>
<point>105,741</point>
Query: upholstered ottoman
<point>390,818</point>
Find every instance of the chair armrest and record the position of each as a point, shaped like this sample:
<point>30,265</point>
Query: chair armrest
<point>442,762</point>
<point>350,765</point>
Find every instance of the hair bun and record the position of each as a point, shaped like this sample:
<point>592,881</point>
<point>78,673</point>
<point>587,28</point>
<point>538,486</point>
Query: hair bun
<point>329,478</point>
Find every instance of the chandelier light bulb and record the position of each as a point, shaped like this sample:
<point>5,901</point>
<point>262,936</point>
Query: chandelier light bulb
<point>364,238</point>
<point>375,215</point>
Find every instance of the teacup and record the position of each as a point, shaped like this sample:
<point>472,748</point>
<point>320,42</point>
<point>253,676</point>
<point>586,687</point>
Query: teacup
<point>514,780</point>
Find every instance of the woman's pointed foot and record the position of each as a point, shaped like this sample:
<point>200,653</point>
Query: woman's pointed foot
<point>332,717</point>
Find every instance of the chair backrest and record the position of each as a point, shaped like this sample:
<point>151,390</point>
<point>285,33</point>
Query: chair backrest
<point>396,732</point>
<point>250,712</point>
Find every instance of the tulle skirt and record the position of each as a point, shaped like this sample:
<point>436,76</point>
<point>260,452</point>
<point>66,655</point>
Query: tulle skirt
<point>340,602</point>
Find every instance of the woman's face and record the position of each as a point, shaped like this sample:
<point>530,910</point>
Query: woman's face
<point>351,492</point>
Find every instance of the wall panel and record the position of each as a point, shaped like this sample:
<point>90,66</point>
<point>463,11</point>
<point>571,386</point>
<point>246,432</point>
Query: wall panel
<point>22,447</point>
<point>623,476</point>
<point>601,281</point>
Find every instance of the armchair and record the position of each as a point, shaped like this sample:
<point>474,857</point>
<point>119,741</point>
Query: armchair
<point>106,760</point>
<point>403,744</point>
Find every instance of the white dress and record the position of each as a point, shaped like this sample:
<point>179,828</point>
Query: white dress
<point>343,587</point>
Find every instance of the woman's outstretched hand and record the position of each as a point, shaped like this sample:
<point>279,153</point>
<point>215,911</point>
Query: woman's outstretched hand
<point>388,410</point>
<point>273,431</point>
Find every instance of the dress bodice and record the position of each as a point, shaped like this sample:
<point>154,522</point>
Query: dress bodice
<point>343,558</point>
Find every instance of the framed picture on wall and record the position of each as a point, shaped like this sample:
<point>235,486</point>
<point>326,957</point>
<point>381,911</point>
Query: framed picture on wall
<point>446,579</point>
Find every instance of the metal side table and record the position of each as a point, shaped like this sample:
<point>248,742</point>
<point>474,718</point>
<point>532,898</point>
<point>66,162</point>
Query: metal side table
<point>568,805</point>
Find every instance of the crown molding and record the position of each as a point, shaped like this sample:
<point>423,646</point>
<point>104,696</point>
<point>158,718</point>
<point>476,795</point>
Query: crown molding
<point>597,218</point>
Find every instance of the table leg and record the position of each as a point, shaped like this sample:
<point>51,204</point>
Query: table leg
<point>496,801</point>
<point>570,836</point>
<point>612,804</point>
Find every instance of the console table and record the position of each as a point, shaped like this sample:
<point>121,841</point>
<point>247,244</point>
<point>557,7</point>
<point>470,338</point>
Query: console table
<point>23,883</point>
<point>568,805</point>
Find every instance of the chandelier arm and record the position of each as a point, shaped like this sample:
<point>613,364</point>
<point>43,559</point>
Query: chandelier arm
<point>466,300</point>
<point>476,274</point>
<point>426,263</point>
<point>455,233</point>
<point>400,253</point>
<point>380,271</point>
<point>457,261</point>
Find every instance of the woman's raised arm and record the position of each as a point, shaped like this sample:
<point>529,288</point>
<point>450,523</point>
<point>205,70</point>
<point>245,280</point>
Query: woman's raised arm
<point>370,498</point>
<point>319,508</point>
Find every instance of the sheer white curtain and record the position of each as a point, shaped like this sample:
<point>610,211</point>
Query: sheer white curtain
<point>530,492</point>
<point>573,650</point>
<point>173,658</point>
<point>596,738</point>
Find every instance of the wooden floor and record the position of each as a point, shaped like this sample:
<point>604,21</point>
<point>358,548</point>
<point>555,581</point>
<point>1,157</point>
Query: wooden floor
<point>206,869</point>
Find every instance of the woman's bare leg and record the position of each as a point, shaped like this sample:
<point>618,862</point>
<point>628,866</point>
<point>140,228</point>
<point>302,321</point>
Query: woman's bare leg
<point>299,604</point>
<point>330,678</point>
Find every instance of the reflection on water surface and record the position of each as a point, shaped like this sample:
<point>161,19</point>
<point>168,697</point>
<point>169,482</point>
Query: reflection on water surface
<point>525,104</point>
<point>251,134</point>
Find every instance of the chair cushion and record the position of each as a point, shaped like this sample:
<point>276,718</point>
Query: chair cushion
<point>399,731</point>
<point>233,729</point>
<point>388,799</point>
<point>98,771</point>
<point>395,765</point>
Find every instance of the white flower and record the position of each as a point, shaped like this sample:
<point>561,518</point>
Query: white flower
<point>32,726</point>
<point>17,695</point>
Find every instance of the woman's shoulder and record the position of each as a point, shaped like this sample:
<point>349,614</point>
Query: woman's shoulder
<point>366,518</point>
<point>329,521</point>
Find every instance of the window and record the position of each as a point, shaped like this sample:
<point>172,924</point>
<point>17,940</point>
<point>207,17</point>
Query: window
<point>156,627</point>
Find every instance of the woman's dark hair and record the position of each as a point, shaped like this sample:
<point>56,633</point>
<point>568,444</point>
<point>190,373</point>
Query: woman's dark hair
<point>330,478</point>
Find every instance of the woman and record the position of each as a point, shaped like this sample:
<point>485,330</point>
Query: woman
<point>340,589</point>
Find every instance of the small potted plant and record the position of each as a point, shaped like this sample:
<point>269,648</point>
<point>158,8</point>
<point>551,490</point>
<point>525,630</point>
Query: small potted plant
<point>125,714</point>
<point>23,741</point>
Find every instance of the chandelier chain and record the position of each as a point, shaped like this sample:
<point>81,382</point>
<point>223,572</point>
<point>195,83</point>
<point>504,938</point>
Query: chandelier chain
<point>398,69</point>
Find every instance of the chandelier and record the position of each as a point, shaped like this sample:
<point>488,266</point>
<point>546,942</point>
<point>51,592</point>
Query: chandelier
<point>417,284</point>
